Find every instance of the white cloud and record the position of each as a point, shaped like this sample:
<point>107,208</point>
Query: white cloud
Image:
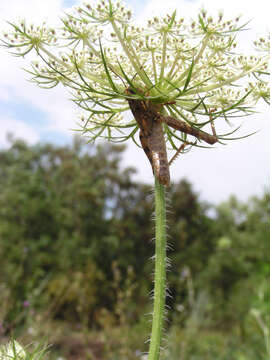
<point>33,10</point>
<point>17,128</point>
<point>15,87</point>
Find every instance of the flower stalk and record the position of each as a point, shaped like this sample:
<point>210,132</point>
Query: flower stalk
<point>160,272</point>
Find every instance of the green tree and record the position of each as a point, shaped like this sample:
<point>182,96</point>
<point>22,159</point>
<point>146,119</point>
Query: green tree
<point>239,264</point>
<point>56,218</point>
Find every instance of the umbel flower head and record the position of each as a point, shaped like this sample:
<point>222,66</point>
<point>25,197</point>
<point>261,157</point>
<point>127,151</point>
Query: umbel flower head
<point>188,71</point>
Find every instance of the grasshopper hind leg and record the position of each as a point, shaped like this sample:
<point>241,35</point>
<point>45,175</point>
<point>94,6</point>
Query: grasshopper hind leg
<point>145,146</point>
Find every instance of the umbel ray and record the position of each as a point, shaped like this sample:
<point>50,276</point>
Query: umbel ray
<point>149,119</point>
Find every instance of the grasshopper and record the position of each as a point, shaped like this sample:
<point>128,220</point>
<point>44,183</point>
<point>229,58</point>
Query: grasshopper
<point>149,120</point>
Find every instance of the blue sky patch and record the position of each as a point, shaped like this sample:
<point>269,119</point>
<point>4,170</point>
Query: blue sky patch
<point>26,113</point>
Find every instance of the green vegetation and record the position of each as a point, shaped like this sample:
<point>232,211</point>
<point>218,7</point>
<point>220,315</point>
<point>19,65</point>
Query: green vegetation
<point>75,269</point>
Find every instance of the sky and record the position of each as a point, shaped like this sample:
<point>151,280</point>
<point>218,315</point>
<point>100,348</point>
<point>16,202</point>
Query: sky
<point>241,167</point>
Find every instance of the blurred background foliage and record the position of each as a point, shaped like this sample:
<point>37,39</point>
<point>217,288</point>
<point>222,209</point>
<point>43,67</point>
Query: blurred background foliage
<point>75,249</point>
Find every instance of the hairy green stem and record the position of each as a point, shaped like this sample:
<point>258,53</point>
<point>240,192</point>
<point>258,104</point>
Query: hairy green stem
<point>160,272</point>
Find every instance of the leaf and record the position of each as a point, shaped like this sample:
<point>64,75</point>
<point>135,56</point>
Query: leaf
<point>172,20</point>
<point>202,23</point>
<point>189,75</point>
<point>107,70</point>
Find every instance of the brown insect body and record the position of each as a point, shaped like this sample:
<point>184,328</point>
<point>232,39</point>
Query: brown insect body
<point>151,137</point>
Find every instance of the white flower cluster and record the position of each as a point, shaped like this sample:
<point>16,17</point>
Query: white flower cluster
<point>227,97</point>
<point>263,44</point>
<point>103,11</point>
<point>260,90</point>
<point>219,26</point>
<point>25,37</point>
<point>187,67</point>
<point>249,63</point>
